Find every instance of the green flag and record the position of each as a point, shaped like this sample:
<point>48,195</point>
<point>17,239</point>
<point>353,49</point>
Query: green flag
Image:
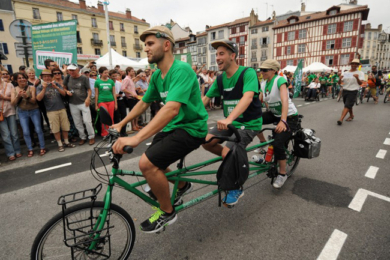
<point>298,79</point>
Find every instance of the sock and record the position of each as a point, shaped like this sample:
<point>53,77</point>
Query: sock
<point>59,143</point>
<point>283,174</point>
<point>66,141</point>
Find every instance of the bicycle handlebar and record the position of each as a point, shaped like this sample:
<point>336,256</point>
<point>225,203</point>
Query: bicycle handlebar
<point>128,149</point>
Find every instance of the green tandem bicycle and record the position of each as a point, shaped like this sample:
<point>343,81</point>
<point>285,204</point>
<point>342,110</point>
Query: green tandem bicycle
<point>103,230</point>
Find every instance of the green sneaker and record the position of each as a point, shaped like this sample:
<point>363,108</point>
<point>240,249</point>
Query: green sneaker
<point>158,221</point>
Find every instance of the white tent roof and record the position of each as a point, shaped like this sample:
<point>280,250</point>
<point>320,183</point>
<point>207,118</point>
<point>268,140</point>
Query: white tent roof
<point>117,59</point>
<point>318,67</point>
<point>290,68</point>
<point>144,62</point>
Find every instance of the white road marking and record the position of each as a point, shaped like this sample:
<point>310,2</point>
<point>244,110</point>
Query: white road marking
<point>381,154</point>
<point>299,105</point>
<point>333,246</point>
<point>307,103</point>
<point>371,172</point>
<point>361,196</point>
<point>148,143</point>
<point>387,141</point>
<point>53,168</point>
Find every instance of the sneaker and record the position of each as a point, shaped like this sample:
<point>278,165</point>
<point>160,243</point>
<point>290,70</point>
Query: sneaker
<point>280,180</point>
<point>232,197</point>
<point>158,221</point>
<point>181,192</point>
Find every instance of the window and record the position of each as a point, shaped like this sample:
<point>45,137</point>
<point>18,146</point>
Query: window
<point>59,17</point>
<point>233,30</point>
<point>264,53</point>
<point>264,41</point>
<point>79,50</point>
<point>347,42</point>
<point>330,45</point>
<point>213,36</point>
<point>212,59</point>
<point>124,53</point>
<point>74,17</point>
<point>344,59</point>
<point>302,34</point>
<point>194,59</point>
<point>375,35</point>
<point>288,50</point>
<point>348,26</point>
<point>242,28</point>
<point>121,27</point>
<point>136,29</point>
<point>138,54</point>
<point>123,40</point>
<point>242,40</point>
<point>369,35</point>
<point>94,23</point>
<point>332,28</point>
<point>112,38</point>
<point>95,36</point>
<point>333,12</point>
<point>78,37</point>
<point>254,31</point>
<point>36,14</point>
<point>1,25</point>
<point>204,50</point>
<point>253,55</point>
<point>136,41</point>
<point>290,63</point>
<point>265,29</point>
<point>199,50</point>
<point>293,20</point>
<point>254,43</point>
<point>329,60</point>
<point>204,59</point>
<point>220,34</point>
<point>291,36</point>
<point>97,52</point>
<point>301,48</point>
<point>3,48</point>
<point>111,25</point>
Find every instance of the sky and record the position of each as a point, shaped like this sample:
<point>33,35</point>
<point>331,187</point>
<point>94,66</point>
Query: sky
<point>197,14</point>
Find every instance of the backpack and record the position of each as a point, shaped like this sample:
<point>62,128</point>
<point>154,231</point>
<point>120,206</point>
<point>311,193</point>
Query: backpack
<point>306,145</point>
<point>234,170</point>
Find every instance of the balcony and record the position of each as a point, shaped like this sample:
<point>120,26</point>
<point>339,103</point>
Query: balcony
<point>242,56</point>
<point>254,59</point>
<point>263,58</point>
<point>113,44</point>
<point>135,32</point>
<point>254,47</point>
<point>96,42</point>
<point>264,46</point>
<point>137,47</point>
<point>124,45</point>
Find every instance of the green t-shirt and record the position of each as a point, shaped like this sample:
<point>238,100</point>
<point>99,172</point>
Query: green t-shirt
<point>105,90</point>
<point>336,79</point>
<point>311,77</point>
<point>250,84</point>
<point>323,80</point>
<point>180,84</point>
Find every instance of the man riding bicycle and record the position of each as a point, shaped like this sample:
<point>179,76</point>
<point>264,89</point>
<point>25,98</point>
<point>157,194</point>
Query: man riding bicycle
<point>183,121</point>
<point>239,87</point>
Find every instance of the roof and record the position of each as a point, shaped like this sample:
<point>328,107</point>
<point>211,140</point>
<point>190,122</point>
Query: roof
<point>323,15</point>
<point>201,34</point>
<point>75,6</point>
<point>182,39</point>
<point>261,23</point>
<point>237,21</point>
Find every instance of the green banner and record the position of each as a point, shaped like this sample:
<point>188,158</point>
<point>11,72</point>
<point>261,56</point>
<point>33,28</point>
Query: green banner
<point>185,57</point>
<point>298,79</point>
<point>56,41</point>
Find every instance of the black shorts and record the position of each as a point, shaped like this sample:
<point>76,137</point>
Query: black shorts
<point>168,147</point>
<point>349,98</point>
<point>131,102</point>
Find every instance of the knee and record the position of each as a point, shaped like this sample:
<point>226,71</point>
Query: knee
<point>146,166</point>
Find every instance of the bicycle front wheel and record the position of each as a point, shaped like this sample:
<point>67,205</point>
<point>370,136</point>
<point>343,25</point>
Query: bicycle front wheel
<point>117,244</point>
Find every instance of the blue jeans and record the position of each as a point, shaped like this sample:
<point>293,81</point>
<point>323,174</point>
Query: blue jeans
<point>9,133</point>
<point>24,118</point>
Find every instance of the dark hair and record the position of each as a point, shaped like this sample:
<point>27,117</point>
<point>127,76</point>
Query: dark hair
<point>47,63</point>
<point>16,75</point>
<point>57,69</point>
<point>139,71</point>
<point>112,72</point>
<point>128,69</point>
<point>102,69</point>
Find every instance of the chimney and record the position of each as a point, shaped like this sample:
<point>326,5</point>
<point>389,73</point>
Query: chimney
<point>128,13</point>
<point>82,4</point>
<point>143,20</point>
<point>100,6</point>
<point>303,7</point>
<point>353,2</point>
<point>207,27</point>
<point>380,27</point>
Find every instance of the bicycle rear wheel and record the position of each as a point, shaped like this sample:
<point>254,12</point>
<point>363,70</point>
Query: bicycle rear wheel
<point>292,159</point>
<point>49,243</point>
<point>357,102</point>
<point>386,97</point>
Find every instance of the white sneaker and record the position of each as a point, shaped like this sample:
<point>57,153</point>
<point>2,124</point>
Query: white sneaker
<point>280,180</point>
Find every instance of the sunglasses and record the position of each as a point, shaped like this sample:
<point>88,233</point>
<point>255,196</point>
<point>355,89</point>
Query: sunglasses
<point>5,74</point>
<point>265,70</point>
<point>161,35</point>
<point>93,75</point>
<point>57,73</point>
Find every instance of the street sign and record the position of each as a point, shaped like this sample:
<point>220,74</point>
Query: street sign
<point>23,49</point>
<point>21,29</point>
<point>19,45</point>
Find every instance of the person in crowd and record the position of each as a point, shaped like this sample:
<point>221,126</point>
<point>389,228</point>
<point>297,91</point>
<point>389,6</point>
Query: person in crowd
<point>95,119</point>
<point>120,113</point>
<point>86,73</point>
<point>24,97</point>
<point>50,92</point>
<point>58,78</point>
<point>64,70</point>
<point>50,64</point>
<point>372,87</point>
<point>200,79</point>
<point>128,87</point>
<point>105,95</point>
<point>79,92</point>
<point>352,80</point>
<point>324,83</point>
<point>6,76</point>
<point>32,79</point>
<point>22,69</point>
<point>238,84</point>
<point>211,81</point>
<point>310,77</point>
<point>142,84</point>
<point>378,78</point>
<point>147,72</point>
<point>314,87</point>
<point>8,126</point>
<point>205,76</point>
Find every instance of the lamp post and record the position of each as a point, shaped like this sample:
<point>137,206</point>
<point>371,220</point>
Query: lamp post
<point>106,3</point>
<point>382,39</point>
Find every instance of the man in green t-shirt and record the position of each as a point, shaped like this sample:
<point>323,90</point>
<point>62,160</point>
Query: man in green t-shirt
<point>239,87</point>
<point>183,121</point>
<point>323,82</point>
<point>311,77</point>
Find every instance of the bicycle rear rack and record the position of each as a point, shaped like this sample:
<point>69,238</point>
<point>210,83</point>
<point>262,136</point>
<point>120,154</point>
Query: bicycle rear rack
<point>79,233</point>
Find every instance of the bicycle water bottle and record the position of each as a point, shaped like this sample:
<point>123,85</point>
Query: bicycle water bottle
<point>257,159</point>
<point>270,153</point>
<point>148,190</point>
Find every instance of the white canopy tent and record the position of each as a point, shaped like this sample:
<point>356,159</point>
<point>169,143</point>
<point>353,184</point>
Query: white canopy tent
<point>290,68</point>
<point>143,62</point>
<point>318,67</point>
<point>117,59</point>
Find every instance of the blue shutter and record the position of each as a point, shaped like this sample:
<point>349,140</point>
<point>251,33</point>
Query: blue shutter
<point>1,25</point>
<point>10,69</point>
<point>5,48</point>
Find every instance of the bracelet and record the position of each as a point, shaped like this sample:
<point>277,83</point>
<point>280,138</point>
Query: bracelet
<point>285,123</point>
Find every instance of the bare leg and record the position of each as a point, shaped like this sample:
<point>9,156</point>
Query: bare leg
<point>181,183</point>
<point>158,183</point>
<point>261,137</point>
<point>343,114</point>
<point>65,135</point>
<point>57,136</point>
<point>282,166</point>
<point>213,147</point>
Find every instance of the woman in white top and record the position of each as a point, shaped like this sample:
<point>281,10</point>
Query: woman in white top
<point>352,80</point>
<point>313,88</point>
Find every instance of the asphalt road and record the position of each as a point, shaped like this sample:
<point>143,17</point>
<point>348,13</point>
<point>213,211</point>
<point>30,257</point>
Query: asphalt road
<point>328,209</point>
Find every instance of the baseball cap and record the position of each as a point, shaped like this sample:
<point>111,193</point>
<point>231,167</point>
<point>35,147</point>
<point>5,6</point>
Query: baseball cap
<point>22,67</point>
<point>228,44</point>
<point>270,64</point>
<point>159,32</point>
<point>72,66</point>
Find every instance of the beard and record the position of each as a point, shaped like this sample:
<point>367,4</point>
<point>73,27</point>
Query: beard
<point>156,58</point>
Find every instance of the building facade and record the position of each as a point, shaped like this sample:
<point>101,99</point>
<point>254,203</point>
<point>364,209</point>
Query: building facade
<point>214,33</point>
<point>332,37</point>
<point>376,47</point>
<point>239,33</point>
<point>124,28</point>
<point>202,52</point>
<point>260,43</point>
